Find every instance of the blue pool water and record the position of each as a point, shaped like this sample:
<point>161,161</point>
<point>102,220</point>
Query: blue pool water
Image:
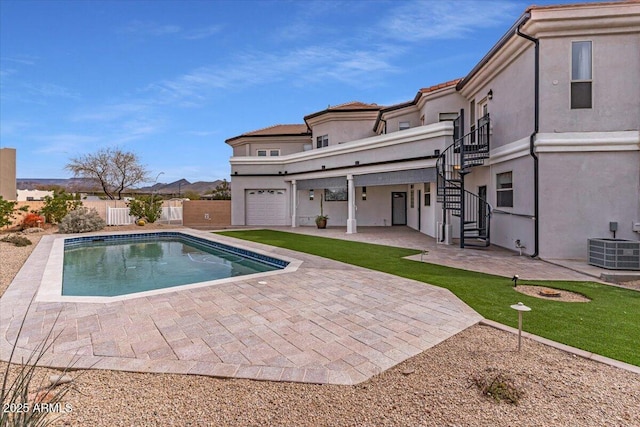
<point>125,264</point>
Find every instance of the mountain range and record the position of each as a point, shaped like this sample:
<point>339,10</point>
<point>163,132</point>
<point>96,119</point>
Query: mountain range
<point>180,186</point>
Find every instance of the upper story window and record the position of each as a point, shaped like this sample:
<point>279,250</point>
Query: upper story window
<point>581,74</point>
<point>504,190</point>
<point>268,152</point>
<point>447,117</point>
<point>322,141</point>
<point>404,125</point>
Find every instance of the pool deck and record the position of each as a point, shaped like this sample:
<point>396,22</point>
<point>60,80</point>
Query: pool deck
<point>324,322</point>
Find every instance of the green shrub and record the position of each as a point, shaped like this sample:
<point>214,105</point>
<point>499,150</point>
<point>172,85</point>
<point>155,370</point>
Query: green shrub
<point>146,207</point>
<point>57,207</point>
<point>8,211</point>
<point>81,220</point>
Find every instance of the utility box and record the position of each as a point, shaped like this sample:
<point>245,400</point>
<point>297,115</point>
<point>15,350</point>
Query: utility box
<point>614,254</point>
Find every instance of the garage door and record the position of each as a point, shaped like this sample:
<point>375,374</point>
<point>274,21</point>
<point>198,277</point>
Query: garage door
<point>266,207</point>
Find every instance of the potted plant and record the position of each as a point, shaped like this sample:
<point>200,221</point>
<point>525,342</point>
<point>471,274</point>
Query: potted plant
<point>321,220</point>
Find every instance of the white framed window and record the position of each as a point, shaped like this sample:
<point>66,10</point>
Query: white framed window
<point>427,194</point>
<point>404,125</point>
<point>447,117</point>
<point>412,197</point>
<point>322,141</point>
<point>504,190</point>
<point>268,152</point>
<point>581,74</point>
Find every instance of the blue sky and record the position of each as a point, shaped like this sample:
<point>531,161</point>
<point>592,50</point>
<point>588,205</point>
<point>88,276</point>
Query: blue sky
<point>171,80</point>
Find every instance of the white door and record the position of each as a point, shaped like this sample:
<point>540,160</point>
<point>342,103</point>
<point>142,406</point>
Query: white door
<point>266,207</point>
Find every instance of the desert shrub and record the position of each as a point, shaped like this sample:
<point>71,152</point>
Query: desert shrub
<point>32,220</point>
<point>22,392</point>
<point>17,240</point>
<point>8,211</point>
<point>57,207</point>
<point>498,386</point>
<point>81,220</point>
<point>146,207</point>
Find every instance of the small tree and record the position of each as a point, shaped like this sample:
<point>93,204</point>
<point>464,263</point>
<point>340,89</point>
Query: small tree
<point>146,207</point>
<point>113,169</point>
<point>191,195</point>
<point>8,211</point>
<point>222,191</point>
<point>57,207</point>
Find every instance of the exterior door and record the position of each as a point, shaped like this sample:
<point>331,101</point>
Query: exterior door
<point>399,208</point>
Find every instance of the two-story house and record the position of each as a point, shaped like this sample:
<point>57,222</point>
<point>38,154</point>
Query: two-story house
<point>538,147</point>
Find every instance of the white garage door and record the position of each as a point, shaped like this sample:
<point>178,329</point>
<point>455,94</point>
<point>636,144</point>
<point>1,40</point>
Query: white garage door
<point>266,207</point>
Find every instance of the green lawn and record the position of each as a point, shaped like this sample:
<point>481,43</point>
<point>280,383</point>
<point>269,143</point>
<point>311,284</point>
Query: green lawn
<point>608,325</point>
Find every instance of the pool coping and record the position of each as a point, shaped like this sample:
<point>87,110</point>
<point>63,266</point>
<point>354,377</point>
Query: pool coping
<point>50,289</point>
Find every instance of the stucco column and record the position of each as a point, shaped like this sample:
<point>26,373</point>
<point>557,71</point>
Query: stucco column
<point>294,203</point>
<point>351,219</point>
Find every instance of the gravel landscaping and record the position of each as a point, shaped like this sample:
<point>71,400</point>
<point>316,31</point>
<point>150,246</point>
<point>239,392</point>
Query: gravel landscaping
<point>437,387</point>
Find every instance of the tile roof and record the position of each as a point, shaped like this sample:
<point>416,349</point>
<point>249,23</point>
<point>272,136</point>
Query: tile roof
<point>296,129</point>
<point>581,4</point>
<point>440,86</point>
<point>354,105</point>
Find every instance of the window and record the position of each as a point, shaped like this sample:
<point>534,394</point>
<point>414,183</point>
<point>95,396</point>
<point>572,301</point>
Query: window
<point>427,194</point>
<point>447,117</point>
<point>322,141</point>
<point>404,125</point>
<point>581,75</point>
<point>268,152</point>
<point>504,189</point>
<point>412,197</point>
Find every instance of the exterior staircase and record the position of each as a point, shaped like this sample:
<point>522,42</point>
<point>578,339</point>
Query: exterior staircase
<point>467,151</point>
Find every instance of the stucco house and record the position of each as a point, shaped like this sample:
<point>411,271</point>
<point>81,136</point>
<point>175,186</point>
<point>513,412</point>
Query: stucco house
<point>537,148</point>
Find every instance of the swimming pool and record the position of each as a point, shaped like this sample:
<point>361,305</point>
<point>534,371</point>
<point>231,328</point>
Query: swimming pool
<point>104,267</point>
<point>126,264</point>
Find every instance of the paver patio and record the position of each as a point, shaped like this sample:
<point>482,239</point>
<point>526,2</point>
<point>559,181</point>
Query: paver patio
<point>327,322</point>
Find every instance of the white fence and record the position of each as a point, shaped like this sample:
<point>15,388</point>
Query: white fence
<point>120,216</point>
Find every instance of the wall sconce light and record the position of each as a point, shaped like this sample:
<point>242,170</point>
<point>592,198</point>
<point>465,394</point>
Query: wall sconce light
<point>364,193</point>
<point>490,94</point>
<point>436,152</point>
<point>310,194</point>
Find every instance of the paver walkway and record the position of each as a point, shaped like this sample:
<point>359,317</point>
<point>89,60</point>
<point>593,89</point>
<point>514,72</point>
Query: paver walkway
<point>492,260</point>
<point>327,322</point>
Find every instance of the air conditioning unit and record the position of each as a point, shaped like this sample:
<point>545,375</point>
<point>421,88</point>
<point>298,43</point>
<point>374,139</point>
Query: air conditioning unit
<point>614,254</point>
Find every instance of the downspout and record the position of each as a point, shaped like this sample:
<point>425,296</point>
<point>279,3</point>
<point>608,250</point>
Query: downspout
<point>532,137</point>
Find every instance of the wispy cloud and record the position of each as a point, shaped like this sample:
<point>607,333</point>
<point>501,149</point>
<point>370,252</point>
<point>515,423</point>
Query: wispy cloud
<point>111,112</point>
<point>299,66</point>
<point>202,33</point>
<point>147,28</point>
<point>437,20</point>
<point>65,143</point>
<point>154,29</point>
<point>21,59</point>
